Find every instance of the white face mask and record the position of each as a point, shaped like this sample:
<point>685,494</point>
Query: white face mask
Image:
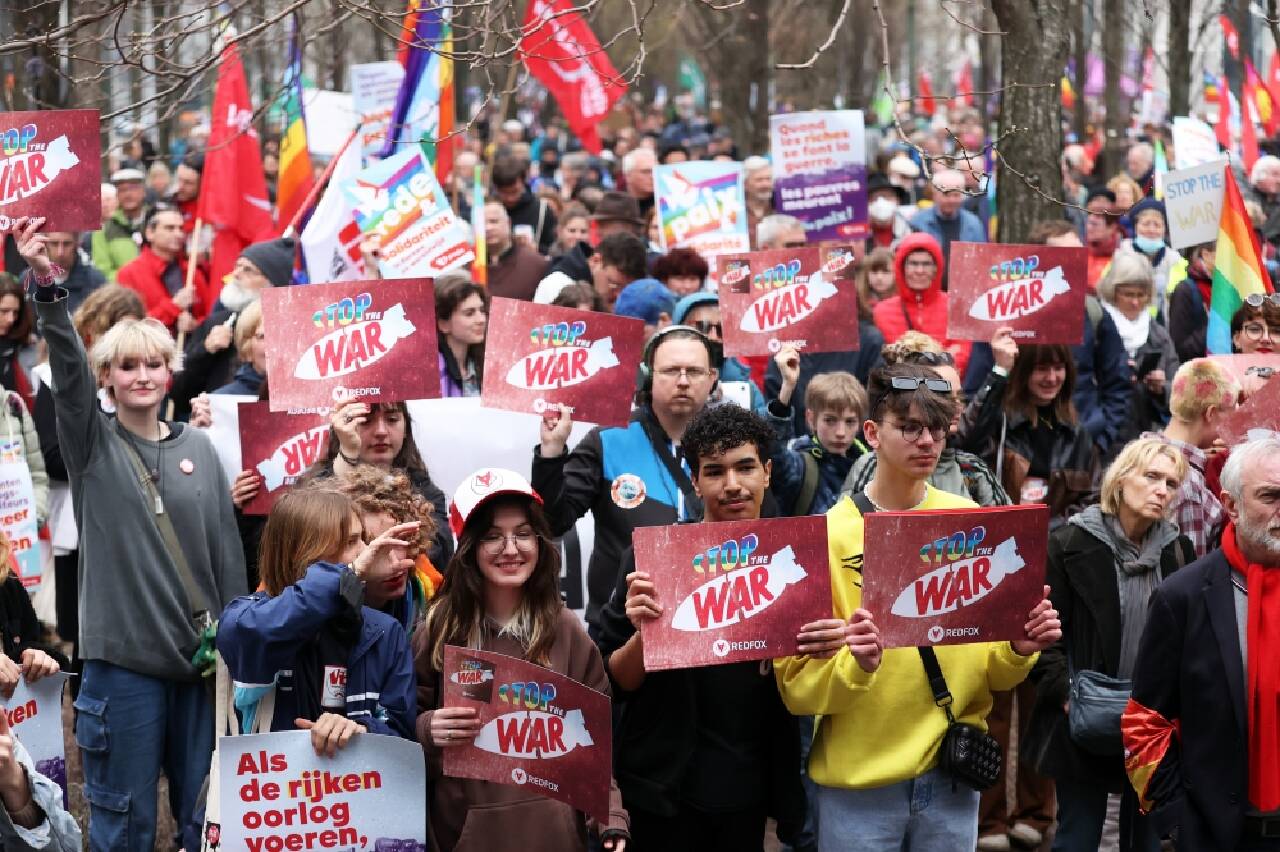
<point>882,209</point>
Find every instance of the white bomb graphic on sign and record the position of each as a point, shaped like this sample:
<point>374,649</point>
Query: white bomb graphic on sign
<point>292,457</point>
<point>560,367</point>
<point>534,734</point>
<point>788,305</point>
<point>961,583</point>
<point>738,594</point>
<point>25,173</point>
<point>1019,297</point>
<point>355,346</point>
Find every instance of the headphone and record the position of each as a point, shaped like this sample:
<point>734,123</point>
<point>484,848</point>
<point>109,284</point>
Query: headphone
<point>644,375</point>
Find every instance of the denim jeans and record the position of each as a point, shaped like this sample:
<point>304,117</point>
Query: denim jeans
<point>1082,810</point>
<point>930,813</point>
<point>129,726</point>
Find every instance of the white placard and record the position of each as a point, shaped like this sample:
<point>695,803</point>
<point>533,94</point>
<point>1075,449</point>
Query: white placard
<point>1193,200</point>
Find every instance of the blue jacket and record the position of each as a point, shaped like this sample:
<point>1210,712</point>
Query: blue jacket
<point>787,476</point>
<point>1103,391</point>
<point>733,370</point>
<point>247,382</point>
<point>259,637</point>
<point>971,229</point>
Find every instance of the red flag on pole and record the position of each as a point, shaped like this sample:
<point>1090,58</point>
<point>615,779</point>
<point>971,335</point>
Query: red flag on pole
<point>560,50</point>
<point>233,188</point>
<point>964,85</point>
<point>1223,128</point>
<point>1230,34</point>
<point>925,85</point>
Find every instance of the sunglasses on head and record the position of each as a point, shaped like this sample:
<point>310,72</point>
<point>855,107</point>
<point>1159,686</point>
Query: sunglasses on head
<point>707,327</point>
<point>929,359</point>
<point>1257,300</point>
<point>910,383</point>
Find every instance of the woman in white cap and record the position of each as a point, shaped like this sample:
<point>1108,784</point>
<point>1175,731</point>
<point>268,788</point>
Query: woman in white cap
<point>501,593</point>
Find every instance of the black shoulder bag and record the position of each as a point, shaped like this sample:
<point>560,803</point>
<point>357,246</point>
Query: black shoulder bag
<point>969,754</point>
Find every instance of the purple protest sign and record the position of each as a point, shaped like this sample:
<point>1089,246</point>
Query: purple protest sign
<point>820,172</point>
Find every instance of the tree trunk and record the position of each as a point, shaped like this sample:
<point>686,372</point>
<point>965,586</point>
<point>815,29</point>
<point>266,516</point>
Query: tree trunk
<point>1179,47</point>
<point>1034,51</point>
<point>739,55</point>
<point>1082,36</point>
<point>1113,57</point>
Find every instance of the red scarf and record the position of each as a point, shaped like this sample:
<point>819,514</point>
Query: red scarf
<point>1262,689</point>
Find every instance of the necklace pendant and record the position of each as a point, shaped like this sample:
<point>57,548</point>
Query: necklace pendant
<point>159,505</point>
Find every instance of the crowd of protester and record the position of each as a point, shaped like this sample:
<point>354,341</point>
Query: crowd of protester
<point>1163,556</point>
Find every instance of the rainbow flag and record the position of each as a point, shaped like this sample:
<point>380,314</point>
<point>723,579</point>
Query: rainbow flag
<point>1239,271</point>
<point>296,178</point>
<point>480,268</point>
<point>1161,166</point>
<point>424,105</point>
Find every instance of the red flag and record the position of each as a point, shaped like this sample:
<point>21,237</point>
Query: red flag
<point>1248,133</point>
<point>1273,73</point>
<point>1230,34</point>
<point>964,85</point>
<point>407,31</point>
<point>233,188</point>
<point>925,85</point>
<point>1223,130</point>
<point>560,50</point>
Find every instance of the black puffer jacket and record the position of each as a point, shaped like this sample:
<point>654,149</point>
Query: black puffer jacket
<point>1005,442</point>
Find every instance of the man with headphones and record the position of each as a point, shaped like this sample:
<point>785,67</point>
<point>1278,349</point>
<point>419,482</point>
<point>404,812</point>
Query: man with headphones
<point>634,476</point>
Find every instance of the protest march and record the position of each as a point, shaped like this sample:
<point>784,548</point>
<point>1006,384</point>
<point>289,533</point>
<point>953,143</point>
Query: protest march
<point>642,455</point>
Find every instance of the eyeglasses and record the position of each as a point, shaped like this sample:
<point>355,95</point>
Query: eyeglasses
<point>1258,330</point>
<point>930,359</point>
<point>913,429</point>
<point>707,327</point>
<point>495,543</point>
<point>673,374</point>
<point>1257,300</point>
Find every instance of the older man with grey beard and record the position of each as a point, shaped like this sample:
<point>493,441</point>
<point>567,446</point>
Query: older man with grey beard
<point>1202,728</point>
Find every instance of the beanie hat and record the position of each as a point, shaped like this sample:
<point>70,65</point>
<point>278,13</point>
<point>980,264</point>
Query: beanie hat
<point>691,301</point>
<point>1149,203</point>
<point>646,299</point>
<point>274,259</point>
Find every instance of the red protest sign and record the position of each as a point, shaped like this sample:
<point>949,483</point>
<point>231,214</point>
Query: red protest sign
<point>1249,370</point>
<point>1037,290</point>
<point>954,576</point>
<point>802,296</point>
<point>371,340</point>
<point>732,591</point>
<point>538,729</point>
<point>1259,413</point>
<point>50,168</point>
<point>279,446</point>
<point>538,355</point>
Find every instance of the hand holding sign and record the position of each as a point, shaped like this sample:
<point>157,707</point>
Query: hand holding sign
<point>30,244</point>
<point>454,726</point>
<point>642,602</point>
<point>821,639</point>
<point>1043,628</point>
<point>330,732</point>
<point>557,423</point>
<point>37,664</point>
<point>1004,349</point>
<point>864,641</point>
<point>10,674</point>
<point>14,789</point>
<point>788,361</point>
<point>245,488</point>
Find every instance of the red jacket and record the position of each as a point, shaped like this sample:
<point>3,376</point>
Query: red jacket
<point>925,312</point>
<point>143,275</point>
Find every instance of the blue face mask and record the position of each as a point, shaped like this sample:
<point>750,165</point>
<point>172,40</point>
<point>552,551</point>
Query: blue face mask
<point>1148,245</point>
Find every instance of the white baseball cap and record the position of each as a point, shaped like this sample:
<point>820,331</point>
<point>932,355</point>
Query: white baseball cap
<point>482,486</point>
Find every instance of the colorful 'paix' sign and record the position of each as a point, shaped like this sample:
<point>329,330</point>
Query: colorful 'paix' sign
<point>538,729</point>
<point>1039,291</point>
<point>953,576</point>
<point>279,446</point>
<point>34,712</point>
<point>820,172</point>
<point>806,297</point>
<point>701,206</point>
<point>399,201</point>
<point>49,166</point>
<point>372,340</point>
<point>540,355</point>
<point>276,794</point>
<point>732,591</point>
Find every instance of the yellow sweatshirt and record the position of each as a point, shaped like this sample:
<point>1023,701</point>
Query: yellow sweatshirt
<point>882,728</point>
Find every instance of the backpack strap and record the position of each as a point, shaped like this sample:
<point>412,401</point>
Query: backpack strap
<point>808,486</point>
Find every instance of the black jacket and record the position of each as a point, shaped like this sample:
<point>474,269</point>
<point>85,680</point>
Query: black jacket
<point>859,362</point>
<point>1188,320</point>
<point>203,371</point>
<point>19,627</point>
<point>1081,574</point>
<point>1004,442</point>
<point>1187,713</point>
<point>656,730</point>
<point>537,214</point>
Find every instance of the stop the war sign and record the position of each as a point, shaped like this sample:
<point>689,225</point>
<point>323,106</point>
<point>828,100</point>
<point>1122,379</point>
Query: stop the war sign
<point>540,355</point>
<point>538,729</point>
<point>953,576</point>
<point>49,166</point>
<point>371,340</point>
<point>279,446</point>
<point>732,591</point>
<point>802,296</point>
<point>1037,290</point>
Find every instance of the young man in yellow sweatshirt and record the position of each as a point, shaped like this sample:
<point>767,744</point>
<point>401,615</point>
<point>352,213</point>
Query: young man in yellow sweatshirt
<point>875,752</point>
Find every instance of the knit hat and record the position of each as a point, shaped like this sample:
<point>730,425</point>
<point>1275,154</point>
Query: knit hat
<point>691,301</point>
<point>1149,203</point>
<point>646,299</point>
<point>481,487</point>
<point>274,259</point>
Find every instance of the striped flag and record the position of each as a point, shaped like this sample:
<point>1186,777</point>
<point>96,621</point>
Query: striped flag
<point>1161,166</point>
<point>479,268</point>
<point>296,178</point>
<point>1238,272</point>
<point>424,104</point>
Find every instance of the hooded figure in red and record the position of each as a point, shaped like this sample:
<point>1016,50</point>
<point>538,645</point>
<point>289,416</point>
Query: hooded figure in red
<point>922,309</point>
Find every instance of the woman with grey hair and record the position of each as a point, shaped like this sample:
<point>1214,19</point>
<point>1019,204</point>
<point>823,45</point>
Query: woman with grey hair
<point>1127,291</point>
